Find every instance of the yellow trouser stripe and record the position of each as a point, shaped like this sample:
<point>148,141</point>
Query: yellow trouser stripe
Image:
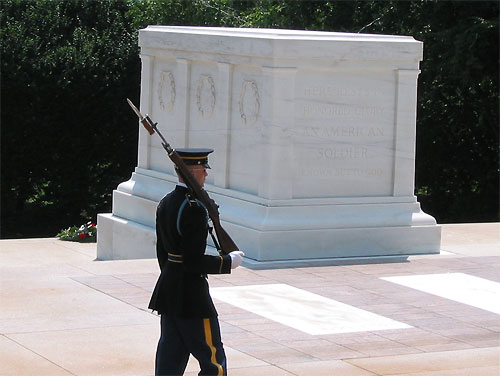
<point>208,338</point>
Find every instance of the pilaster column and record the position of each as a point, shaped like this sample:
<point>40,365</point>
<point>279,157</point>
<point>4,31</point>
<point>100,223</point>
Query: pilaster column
<point>145,106</point>
<point>223,126</point>
<point>184,73</point>
<point>405,132</point>
<point>278,117</point>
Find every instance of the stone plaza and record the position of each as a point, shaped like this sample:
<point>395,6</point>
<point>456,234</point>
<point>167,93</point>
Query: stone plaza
<point>65,313</point>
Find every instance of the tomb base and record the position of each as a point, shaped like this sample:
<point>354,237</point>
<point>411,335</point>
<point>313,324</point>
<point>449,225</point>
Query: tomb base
<point>275,230</point>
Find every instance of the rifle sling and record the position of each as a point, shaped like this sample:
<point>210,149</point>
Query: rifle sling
<point>216,243</point>
<point>189,199</point>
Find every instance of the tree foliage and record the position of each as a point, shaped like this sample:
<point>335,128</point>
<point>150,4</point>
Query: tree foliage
<point>67,66</point>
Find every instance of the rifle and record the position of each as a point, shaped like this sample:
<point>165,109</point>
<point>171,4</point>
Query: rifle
<point>225,244</point>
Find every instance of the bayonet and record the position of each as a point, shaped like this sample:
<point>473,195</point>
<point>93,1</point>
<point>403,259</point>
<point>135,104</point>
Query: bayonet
<point>150,126</point>
<point>137,112</point>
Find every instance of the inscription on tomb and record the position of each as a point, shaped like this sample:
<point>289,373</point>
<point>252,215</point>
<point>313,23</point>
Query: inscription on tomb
<point>343,135</point>
<point>330,111</point>
<point>318,91</point>
<point>340,172</point>
<point>342,131</point>
<point>342,152</point>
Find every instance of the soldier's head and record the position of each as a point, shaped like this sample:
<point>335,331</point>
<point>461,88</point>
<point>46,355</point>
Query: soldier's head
<point>196,161</point>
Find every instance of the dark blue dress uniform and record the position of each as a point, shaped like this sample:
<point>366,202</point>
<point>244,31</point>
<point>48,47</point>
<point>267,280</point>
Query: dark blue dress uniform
<point>189,323</point>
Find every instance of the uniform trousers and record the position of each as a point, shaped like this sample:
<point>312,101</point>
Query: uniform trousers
<point>181,337</point>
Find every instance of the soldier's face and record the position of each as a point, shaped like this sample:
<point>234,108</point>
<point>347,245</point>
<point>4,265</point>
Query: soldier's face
<point>199,173</point>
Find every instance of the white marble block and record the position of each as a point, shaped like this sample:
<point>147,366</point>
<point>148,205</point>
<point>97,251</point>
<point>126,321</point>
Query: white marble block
<point>314,138</point>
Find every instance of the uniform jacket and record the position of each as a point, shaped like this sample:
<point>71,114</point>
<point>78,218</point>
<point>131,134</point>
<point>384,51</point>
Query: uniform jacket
<point>182,288</point>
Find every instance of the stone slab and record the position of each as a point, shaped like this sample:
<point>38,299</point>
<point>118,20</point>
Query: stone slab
<point>97,351</point>
<point>16,359</point>
<point>452,361</point>
<point>291,306</point>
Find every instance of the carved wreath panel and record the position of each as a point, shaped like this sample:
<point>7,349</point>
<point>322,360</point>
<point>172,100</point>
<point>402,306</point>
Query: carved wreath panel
<point>166,91</point>
<point>205,95</point>
<point>249,104</point>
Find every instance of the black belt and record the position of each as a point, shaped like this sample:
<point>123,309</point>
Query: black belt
<point>172,257</point>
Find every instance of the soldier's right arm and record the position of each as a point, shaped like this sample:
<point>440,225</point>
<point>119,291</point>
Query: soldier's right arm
<point>193,225</point>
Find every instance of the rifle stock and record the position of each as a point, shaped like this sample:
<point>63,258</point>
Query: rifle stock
<point>225,241</point>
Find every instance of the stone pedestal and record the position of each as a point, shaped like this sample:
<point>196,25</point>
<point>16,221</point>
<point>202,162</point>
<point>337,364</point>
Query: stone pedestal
<point>314,138</point>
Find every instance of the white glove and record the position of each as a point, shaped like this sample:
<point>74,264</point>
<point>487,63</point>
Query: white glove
<point>236,258</point>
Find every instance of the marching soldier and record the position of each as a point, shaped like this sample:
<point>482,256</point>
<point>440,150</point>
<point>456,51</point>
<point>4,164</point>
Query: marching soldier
<point>189,323</point>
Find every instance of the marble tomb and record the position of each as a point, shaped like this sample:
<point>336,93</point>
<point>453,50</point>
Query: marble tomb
<point>314,138</point>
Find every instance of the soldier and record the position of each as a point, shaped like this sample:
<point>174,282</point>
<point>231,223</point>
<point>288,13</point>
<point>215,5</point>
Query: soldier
<point>189,323</point>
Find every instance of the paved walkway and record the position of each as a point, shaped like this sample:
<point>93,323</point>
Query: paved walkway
<point>62,313</point>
